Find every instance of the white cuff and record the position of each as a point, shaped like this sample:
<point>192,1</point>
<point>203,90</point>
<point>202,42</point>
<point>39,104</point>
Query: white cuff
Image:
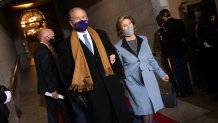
<point>9,96</point>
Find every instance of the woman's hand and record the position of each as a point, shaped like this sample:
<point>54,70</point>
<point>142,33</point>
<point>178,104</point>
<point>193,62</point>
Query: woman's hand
<point>165,78</point>
<point>112,58</point>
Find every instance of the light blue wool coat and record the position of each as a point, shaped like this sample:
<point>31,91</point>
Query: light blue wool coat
<point>144,98</point>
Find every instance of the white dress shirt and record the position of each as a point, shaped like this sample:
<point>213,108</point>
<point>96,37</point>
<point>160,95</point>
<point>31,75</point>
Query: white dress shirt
<point>45,44</point>
<point>80,35</point>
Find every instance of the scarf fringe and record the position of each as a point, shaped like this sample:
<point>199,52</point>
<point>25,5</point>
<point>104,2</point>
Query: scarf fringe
<point>82,79</point>
<point>109,72</point>
<point>79,88</point>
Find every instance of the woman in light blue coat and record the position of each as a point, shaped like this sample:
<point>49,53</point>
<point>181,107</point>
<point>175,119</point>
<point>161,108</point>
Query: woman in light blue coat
<point>139,66</point>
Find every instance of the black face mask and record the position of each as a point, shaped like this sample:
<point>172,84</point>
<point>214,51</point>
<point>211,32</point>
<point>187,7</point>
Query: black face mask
<point>53,42</point>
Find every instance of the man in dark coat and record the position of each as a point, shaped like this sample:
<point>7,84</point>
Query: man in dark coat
<point>159,39</point>
<point>48,78</point>
<point>174,48</point>
<point>5,97</point>
<point>92,74</point>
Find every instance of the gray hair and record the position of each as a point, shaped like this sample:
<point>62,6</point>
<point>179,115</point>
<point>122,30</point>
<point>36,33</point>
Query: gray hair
<point>73,9</point>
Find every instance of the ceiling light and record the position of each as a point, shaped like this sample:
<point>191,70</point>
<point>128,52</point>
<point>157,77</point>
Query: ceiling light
<point>26,5</point>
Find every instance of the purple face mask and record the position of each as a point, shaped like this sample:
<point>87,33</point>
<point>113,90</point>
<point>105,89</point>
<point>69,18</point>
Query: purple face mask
<point>81,26</point>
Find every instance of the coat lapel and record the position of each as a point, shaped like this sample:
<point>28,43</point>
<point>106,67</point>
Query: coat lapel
<point>142,51</point>
<point>139,42</point>
<point>126,46</point>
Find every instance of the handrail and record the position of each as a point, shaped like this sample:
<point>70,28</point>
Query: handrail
<point>14,71</point>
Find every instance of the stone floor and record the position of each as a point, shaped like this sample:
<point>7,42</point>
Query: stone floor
<point>198,108</point>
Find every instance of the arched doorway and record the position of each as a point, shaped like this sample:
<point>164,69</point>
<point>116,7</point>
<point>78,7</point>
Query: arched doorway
<point>31,21</point>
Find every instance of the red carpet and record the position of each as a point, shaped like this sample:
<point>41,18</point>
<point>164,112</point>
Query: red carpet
<point>60,117</point>
<point>158,118</point>
<point>163,119</point>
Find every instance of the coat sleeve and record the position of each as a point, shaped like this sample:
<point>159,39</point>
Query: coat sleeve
<point>153,63</point>
<point>66,62</point>
<point>48,69</point>
<point>184,32</point>
<point>110,49</point>
<point>3,96</point>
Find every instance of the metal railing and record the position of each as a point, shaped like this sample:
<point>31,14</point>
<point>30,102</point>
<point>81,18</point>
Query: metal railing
<point>13,75</point>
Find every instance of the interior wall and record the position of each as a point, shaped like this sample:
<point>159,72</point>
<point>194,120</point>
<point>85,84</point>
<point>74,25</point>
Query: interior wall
<point>7,53</point>
<point>7,57</point>
<point>174,8</point>
<point>104,14</point>
<point>158,5</point>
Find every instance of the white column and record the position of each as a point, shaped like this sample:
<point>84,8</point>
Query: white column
<point>163,3</point>
<point>158,5</point>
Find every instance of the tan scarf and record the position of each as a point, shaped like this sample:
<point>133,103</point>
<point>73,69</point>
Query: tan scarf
<point>82,79</point>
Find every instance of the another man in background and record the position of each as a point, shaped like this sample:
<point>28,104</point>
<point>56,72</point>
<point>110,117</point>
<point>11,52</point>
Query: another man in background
<point>49,83</point>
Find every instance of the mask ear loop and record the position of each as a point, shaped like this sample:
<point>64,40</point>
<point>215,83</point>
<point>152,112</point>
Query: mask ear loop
<point>134,27</point>
<point>71,24</point>
<point>48,38</point>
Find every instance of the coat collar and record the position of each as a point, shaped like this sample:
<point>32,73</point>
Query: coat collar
<point>127,47</point>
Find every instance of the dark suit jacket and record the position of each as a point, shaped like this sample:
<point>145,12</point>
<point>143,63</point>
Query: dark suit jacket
<point>4,111</point>
<point>173,33</point>
<point>111,83</point>
<point>47,73</point>
<point>49,81</point>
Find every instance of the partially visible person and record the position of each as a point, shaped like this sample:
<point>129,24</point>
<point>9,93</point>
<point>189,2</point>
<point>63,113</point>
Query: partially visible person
<point>207,38</point>
<point>139,66</point>
<point>49,79</point>
<point>196,32</point>
<point>5,97</point>
<point>206,35</point>
<point>175,49</point>
<point>91,71</point>
<point>158,46</point>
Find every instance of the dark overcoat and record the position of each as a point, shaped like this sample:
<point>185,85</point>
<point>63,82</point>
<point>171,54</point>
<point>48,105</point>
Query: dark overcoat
<point>174,33</point>
<point>49,81</point>
<point>108,93</point>
<point>47,74</point>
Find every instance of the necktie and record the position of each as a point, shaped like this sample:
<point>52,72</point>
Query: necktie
<point>87,42</point>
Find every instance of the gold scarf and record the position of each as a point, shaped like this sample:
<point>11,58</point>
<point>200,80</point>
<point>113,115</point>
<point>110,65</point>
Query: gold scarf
<point>82,79</point>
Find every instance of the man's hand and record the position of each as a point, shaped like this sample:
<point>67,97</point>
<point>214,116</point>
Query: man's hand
<point>112,58</point>
<point>54,95</point>
<point>206,45</point>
